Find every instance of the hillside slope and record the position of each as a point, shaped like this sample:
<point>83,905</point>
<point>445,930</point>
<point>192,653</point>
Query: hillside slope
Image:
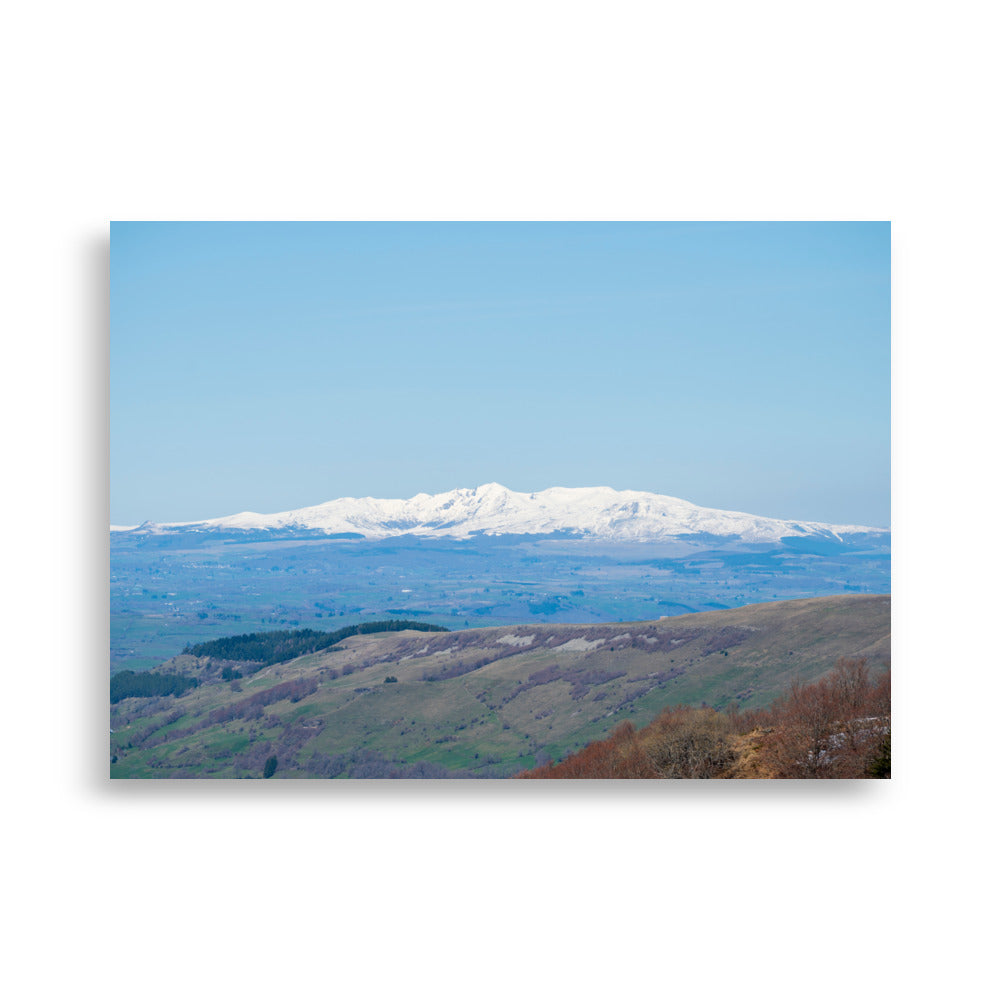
<point>836,727</point>
<point>482,702</point>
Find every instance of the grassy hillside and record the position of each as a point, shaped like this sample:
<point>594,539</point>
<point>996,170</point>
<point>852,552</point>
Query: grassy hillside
<point>481,702</point>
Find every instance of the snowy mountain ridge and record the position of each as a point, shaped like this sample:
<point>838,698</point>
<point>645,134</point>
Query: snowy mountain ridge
<point>597,513</point>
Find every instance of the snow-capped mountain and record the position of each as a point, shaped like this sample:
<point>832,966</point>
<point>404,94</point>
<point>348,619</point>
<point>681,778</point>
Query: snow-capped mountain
<point>598,513</point>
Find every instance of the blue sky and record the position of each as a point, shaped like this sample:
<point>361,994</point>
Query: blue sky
<point>269,366</point>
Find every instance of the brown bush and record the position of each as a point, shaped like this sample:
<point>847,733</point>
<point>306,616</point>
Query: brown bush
<point>688,742</point>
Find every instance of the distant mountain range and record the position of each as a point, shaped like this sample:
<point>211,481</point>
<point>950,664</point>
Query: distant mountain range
<point>598,513</point>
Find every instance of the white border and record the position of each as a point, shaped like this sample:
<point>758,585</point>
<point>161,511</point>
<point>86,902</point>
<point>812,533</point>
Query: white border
<point>453,111</point>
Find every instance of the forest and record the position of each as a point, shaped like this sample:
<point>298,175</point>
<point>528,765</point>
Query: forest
<point>128,684</point>
<point>262,649</point>
<point>836,727</point>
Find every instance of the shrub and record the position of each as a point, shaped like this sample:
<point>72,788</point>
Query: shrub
<point>689,743</point>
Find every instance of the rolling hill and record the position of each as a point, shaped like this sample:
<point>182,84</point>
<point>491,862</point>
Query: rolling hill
<point>479,702</point>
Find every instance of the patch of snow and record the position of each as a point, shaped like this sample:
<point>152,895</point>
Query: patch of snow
<point>516,640</point>
<point>578,645</point>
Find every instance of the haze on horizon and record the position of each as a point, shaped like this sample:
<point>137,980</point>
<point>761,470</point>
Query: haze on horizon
<point>273,366</point>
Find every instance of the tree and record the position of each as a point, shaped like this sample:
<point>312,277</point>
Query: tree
<point>270,766</point>
<point>881,765</point>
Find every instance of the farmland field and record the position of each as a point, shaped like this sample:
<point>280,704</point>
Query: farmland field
<point>164,598</point>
